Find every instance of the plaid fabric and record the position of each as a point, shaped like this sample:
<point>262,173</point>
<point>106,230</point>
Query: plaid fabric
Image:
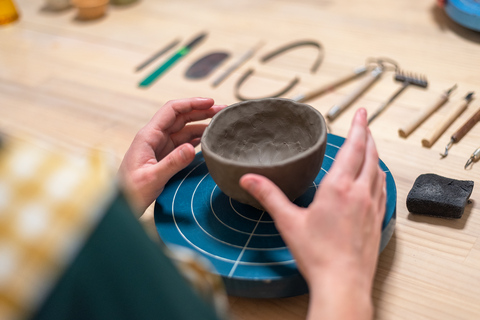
<point>49,203</point>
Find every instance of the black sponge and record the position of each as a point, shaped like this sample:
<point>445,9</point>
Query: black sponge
<point>434,195</point>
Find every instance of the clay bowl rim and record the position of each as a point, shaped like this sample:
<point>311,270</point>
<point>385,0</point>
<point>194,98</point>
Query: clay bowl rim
<point>306,153</point>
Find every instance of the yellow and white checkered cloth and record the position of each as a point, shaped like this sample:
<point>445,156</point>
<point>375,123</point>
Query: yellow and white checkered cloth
<point>49,203</point>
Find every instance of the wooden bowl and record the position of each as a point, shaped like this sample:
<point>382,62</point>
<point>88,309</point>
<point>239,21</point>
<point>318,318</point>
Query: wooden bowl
<point>90,9</point>
<point>280,139</point>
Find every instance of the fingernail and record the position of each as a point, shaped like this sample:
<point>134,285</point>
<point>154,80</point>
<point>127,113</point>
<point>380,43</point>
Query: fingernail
<point>183,154</point>
<point>250,184</point>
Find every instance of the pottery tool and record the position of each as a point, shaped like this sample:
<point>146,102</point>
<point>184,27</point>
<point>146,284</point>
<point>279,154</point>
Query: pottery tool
<point>447,121</point>
<point>407,130</point>
<point>157,55</point>
<point>473,158</point>
<point>462,131</point>
<point>241,241</point>
<point>407,80</point>
<point>366,83</point>
<point>182,52</point>
<point>244,58</point>
<point>360,71</point>
<point>205,65</point>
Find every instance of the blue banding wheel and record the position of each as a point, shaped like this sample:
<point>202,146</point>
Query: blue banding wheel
<point>464,12</point>
<point>241,241</point>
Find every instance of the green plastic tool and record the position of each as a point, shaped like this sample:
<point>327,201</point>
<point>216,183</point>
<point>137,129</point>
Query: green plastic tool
<point>183,51</point>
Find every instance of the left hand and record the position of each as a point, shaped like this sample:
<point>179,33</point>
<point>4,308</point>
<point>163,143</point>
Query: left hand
<point>162,148</point>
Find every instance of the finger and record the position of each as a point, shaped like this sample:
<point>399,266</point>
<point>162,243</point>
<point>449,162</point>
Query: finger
<point>175,161</point>
<point>270,197</point>
<point>370,169</point>
<point>195,115</point>
<point>167,115</point>
<point>188,133</point>
<point>349,159</point>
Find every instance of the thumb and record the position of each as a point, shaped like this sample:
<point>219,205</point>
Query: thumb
<point>175,161</point>
<point>271,198</point>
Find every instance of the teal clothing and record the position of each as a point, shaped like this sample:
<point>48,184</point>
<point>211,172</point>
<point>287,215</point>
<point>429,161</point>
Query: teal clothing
<point>121,274</point>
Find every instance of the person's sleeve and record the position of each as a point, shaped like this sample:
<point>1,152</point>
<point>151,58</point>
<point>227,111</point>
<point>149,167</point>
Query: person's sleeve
<point>121,274</point>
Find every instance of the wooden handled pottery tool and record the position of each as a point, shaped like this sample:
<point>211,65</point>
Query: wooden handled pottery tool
<point>365,84</point>
<point>473,158</point>
<point>157,55</point>
<point>445,123</point>
<point>183,51</point>
<point>407,130</point>
<point>407,80</point>
<point>360,71</point>
<point>462,131</point>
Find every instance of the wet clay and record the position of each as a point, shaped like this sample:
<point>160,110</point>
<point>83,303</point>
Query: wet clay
<point>278,138</point>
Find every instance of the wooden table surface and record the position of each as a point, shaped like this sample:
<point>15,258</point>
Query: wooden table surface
<point>73,83</point>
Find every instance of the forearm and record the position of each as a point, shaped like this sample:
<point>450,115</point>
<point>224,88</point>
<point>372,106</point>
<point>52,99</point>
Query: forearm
<point>345,296</point>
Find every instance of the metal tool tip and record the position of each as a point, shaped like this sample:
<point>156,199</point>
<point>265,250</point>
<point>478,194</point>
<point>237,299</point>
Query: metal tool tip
<point>469,161</point>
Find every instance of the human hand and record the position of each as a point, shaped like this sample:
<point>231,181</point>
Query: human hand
<point>335,241</point>
<point>162,148</point>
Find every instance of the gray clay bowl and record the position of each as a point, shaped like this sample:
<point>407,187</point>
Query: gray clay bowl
<point>280,139</point>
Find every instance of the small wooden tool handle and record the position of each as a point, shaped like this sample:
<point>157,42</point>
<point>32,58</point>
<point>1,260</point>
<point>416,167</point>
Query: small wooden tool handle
<point>348,100</point>
<point>460,133</point>
<point>336,83</point>
<point>405,131</point>
<point>444,124</point>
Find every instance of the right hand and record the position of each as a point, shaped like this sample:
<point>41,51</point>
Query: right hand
<point>335,241</point>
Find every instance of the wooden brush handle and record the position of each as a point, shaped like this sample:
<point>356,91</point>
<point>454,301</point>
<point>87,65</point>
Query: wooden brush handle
<point>405,131</point>
<point>444,124</point>
<point>348,100</point>
<point>460,133</point>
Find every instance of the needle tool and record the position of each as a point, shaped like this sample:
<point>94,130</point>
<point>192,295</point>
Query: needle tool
<point>183,51</point>
<point>407,80</point>
<point>357,72</point>
<point>157,55</point>
<point>447,121</point>
<point>407,130</point>
<point>462,131</point>
<point>244,58</point>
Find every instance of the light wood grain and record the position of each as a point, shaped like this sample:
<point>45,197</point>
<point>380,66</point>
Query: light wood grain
<point>73,83</point>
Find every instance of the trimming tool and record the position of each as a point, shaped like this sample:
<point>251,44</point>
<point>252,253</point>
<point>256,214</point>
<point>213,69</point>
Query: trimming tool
<point>447,121</point>
<point>407,80</point>
<point>183,51</point>
<point>407,130</point>
<point>244,58</point>
<point>157,55</point>
<point>357,72</point>
<point>473,158</point>
<point>462,131</point>
<point>364,85</point>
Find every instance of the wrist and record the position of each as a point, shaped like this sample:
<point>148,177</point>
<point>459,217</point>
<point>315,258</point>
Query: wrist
<point>340,295</point>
